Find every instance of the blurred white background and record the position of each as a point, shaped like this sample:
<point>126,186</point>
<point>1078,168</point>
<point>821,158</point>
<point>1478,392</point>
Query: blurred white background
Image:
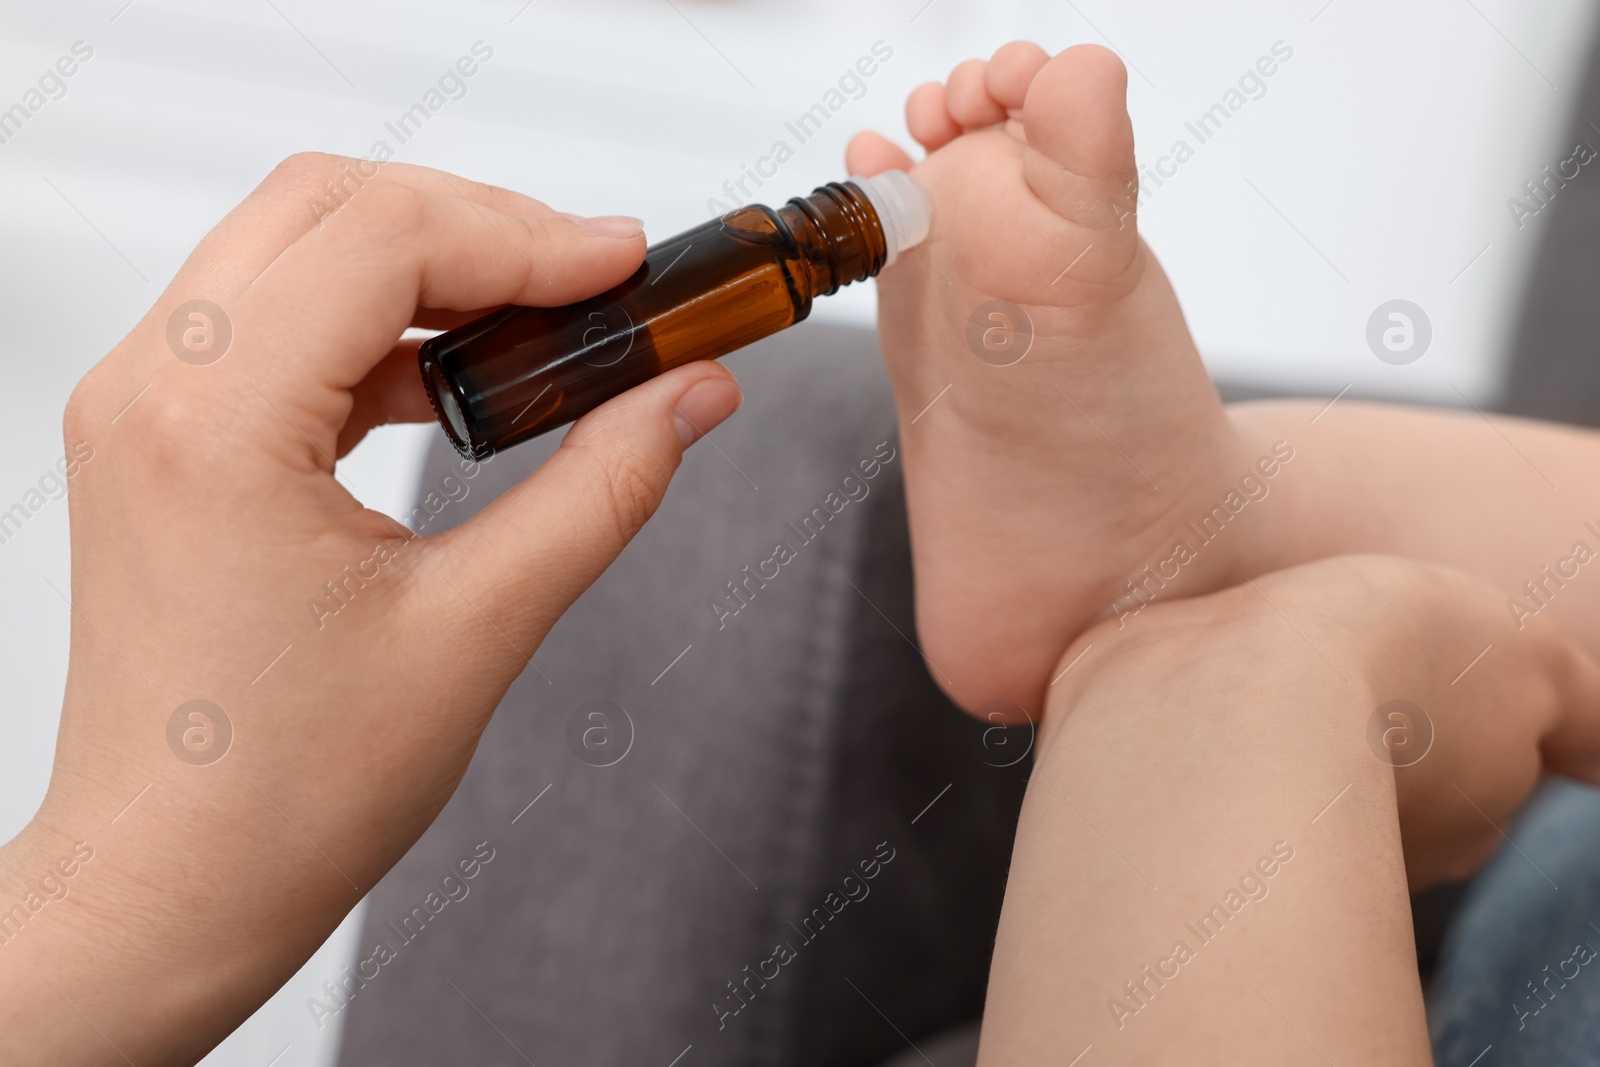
<point>1377,165</point>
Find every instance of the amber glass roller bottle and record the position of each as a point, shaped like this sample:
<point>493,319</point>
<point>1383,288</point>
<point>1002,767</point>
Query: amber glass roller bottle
<point>519,371</point>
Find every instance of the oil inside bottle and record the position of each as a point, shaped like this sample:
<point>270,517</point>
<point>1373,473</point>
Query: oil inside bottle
<point>520,371</point>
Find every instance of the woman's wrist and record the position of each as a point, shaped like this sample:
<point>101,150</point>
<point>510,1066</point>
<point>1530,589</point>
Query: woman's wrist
<point>95,907</point>
<point>47,875</point>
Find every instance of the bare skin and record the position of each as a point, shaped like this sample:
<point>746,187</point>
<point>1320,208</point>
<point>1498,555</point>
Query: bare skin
<point>1221,748</point>
<point>208,517</point>
<point>1088,449</point>
<point>1077,484</point>
<point>1499,498</point>
<point>1034,529</point>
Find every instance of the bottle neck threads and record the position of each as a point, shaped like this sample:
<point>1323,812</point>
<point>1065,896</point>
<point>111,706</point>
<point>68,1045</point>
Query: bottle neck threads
<point>840,234</point>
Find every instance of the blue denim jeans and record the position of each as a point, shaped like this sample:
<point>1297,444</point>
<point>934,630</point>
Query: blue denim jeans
<point>1519,978</point>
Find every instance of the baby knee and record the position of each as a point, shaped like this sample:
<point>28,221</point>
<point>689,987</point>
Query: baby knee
<point>1175,657</point>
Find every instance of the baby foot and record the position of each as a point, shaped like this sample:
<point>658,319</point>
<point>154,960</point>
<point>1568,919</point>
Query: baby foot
<point>1057,423</point>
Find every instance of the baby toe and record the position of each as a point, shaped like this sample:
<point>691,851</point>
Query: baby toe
<point>967,97</point>
<point>929,119</point>
<point>1012,70</point>
<point>1080,141</point>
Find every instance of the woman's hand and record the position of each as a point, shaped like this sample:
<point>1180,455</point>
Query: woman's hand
<point>346,668</point>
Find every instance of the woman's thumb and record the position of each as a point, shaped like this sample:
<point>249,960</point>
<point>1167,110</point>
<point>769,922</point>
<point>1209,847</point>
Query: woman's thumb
<point>523,560</point>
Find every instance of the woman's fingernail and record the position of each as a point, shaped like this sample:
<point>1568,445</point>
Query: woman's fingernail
<point>703,407</point>
<point>613,225</point>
